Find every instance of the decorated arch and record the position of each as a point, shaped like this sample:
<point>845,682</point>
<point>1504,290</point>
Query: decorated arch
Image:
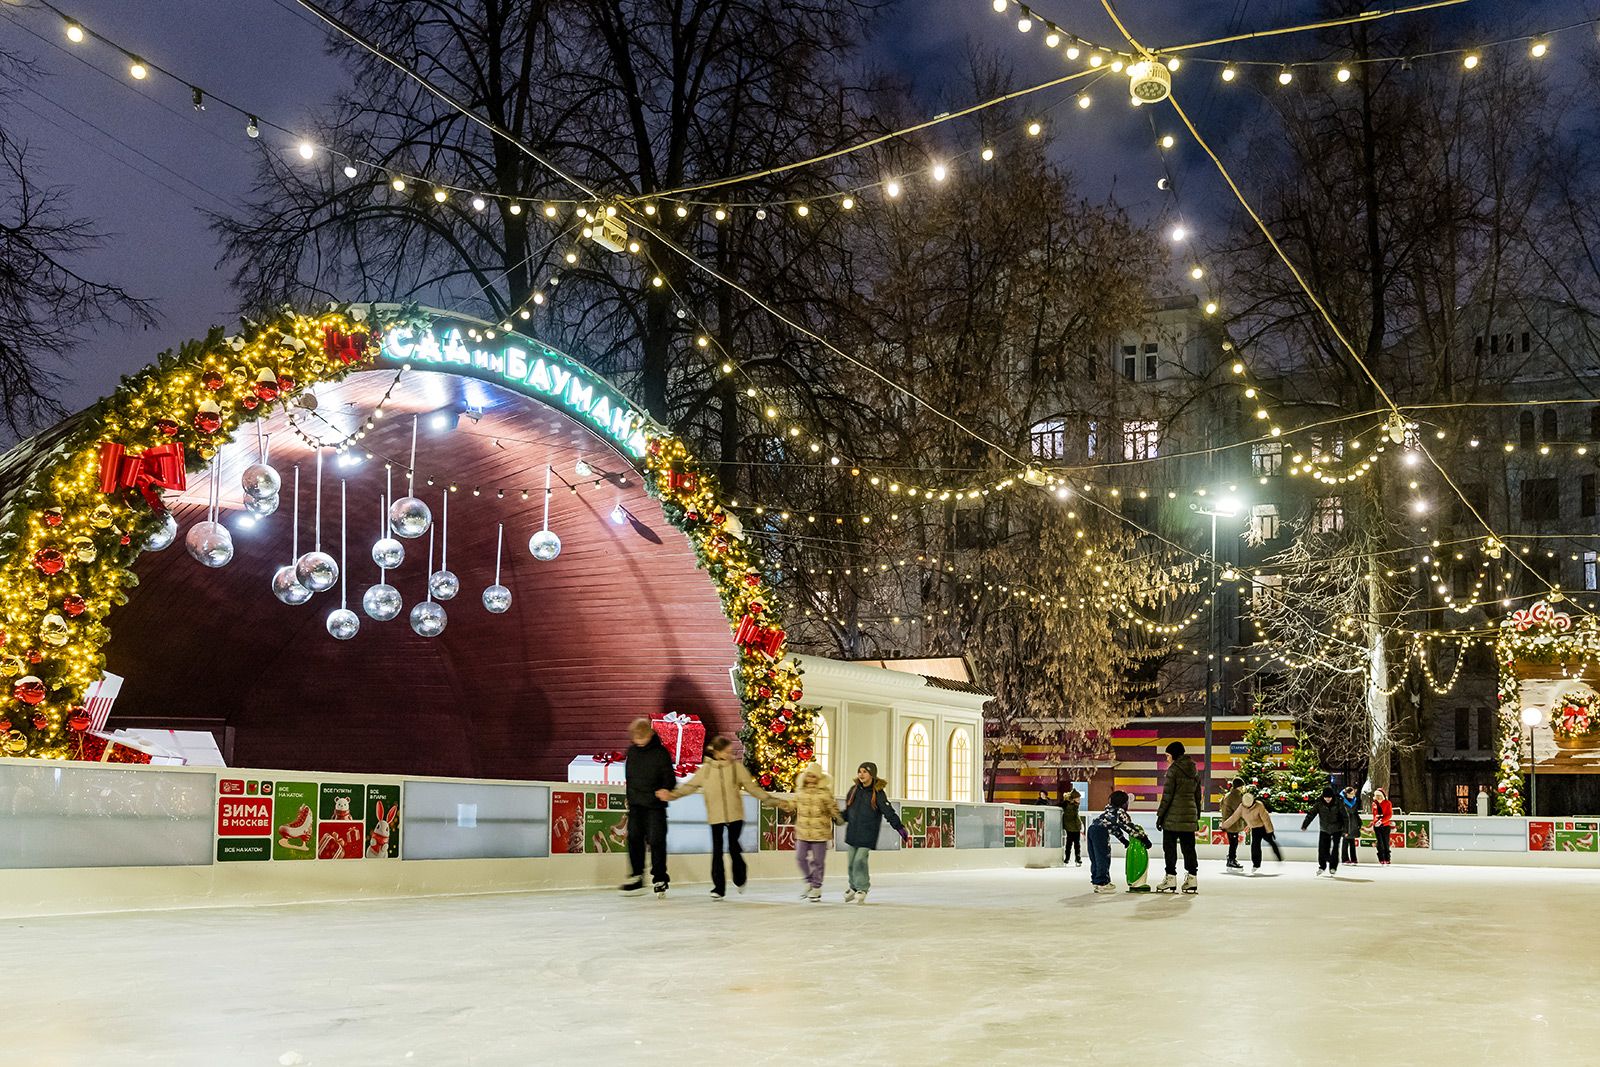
<point>84,501</point>
<point>1549,666</point>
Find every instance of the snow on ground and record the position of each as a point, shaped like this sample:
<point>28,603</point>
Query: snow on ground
<point>1402,965</point>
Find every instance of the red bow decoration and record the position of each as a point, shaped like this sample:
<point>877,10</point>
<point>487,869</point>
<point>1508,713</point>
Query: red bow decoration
<point>684,770</point>
<point>750,634</point>
<point>154,468</point>
<point>345,347</point>
<point>606,759</point>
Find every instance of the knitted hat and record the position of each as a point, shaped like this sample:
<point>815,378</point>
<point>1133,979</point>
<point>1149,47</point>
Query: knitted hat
<point>1175,748</point>
<point>870,768</point>
<point>1327,790</point>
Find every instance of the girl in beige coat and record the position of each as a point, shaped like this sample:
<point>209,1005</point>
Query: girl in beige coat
<point>816,812</point>
<point>723,778</point>
<point>1253,816</point>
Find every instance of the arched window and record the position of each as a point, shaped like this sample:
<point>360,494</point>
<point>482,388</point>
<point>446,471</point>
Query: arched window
<point>961,765</point>
<point>1525,429</point>
<point>819,741</point>
<point>917,762</point>
<point>1548,426</point>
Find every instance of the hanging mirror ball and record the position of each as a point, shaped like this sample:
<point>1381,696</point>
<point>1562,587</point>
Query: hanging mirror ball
<point>210,543</point>
<point>409,517</point>
<point>381,602</point>
<point>497,599</point>
<point>317,571</point>
<point>343,623</point>
<point>545,546</point>
<point>444,585</point>
<point>427,619</point>
<point>388,553</point>
<point>164,536</point>
<point>261,506</point>
<point>287,588</point>
<point>260,480</point>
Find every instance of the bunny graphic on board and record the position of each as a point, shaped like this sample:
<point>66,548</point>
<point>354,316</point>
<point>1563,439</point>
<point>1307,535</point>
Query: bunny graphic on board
<point>382,829</point>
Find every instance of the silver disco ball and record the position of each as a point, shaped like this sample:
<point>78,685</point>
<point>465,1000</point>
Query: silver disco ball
<point>317,571</point>
<point>261,506</point>
<point>444,585</point>
<point>287,588</point>
<point>428,619</point>
<point>388,553</point>
<point>409,517</point>
<point>497,599</point>
<point>545,546</point>
<point>164,536</point>
<point>210,543</point>
<point>343,623</point>
<point>381,602</point>
<point>260,480</point>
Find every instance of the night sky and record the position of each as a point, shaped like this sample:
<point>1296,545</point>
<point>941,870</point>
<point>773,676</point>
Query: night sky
<point>143,163</point>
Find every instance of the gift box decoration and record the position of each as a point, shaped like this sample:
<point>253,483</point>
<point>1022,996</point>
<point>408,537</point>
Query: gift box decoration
<point>685,737</point>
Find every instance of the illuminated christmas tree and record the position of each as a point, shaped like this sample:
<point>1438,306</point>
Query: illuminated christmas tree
<point>1261,767</point>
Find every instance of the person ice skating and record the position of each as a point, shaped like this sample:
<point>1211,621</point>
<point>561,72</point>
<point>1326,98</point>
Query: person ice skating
<point>1331,819</point>
<point>1071,827</point>
<point>865,808</point>
<point>1252,816</point>
<point>723,779</point>
<point>1114,821</point>
<point>1178,818</point>
<point>1382,823</point>
<point>1483,800</point>
<point>815,814</point>
<point>1352,822</point>
<point>1229,805</point>
<point>648,768</point>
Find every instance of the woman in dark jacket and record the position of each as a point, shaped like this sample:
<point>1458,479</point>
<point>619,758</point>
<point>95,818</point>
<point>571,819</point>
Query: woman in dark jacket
<point>1352,823</point>
<point>1332,819</point>
<point>1071,827</point>
<point>865,808</point>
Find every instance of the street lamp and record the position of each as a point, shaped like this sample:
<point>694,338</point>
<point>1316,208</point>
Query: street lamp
<point>1227,507</point>
<point>1530,719</point>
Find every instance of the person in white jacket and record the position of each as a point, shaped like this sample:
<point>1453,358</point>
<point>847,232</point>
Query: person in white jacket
<point>723,778</point>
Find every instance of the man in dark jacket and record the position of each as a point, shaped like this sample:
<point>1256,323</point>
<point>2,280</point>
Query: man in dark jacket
<point>650,782</point>
<point>1178,819</point>
<point>865,808</point>
<point>1229,805</point>
<point>1071,826</point>
<point>1332,821</point>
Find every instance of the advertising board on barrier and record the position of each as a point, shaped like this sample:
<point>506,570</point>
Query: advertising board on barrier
<point>259,819</point>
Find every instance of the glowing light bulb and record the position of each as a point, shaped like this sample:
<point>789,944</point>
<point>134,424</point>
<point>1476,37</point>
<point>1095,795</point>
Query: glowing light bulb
<point>398,185</point>
<point>939,172</point>
<point>682,212</point>
<point>1179,233</point>
<point>1536,50</point>
<point>1084,101</point>
<point>1000,5</point>
<point>74,33</point>
<point>721,214</point>
<point>987,154</point>
<point>1343,74</point>
<point>1096,59</point>
<point>848,203</point>
<point>1174,63</point>
<point>1197,273</point>
<point>1024,24</point>
<point>1228,74</point>
<point>307,150</point>
<point>1052,39</point>
<point>1285,76</point>
<point>891,188</point>
<point>1470,60</point>
<point>350,170</point>
<point>139,71</point>
<point>1168,141</point>
<point>1116,65</point>
<point>440,196</point>
<point>1211,307</point>
<point>571,257</point>
<point>1073,51</point>
<point>538,298</point>
<point>658,281</point>
<point>1034,129</point>
<point>515,209</point>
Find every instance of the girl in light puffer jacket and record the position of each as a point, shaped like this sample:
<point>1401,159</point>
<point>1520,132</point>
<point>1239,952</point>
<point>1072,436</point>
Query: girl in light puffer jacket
<point>816,812</point>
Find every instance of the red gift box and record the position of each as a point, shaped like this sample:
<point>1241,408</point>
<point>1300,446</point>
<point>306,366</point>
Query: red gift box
<point>684,736</point>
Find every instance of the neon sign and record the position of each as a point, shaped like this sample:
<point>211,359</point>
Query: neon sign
<point>534,370</point>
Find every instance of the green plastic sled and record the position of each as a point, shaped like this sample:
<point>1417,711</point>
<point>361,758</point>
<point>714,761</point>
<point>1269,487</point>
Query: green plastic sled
<point>1137,864</point>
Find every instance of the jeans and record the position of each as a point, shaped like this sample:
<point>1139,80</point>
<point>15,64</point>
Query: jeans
<point>1233,847</point>
<point>719,880</point>
<point>1171,841</point>
<point>1099,855</point>
<point>1382,834</point>
<point>1073,845</point>
<point>1328,851</point>
<point>1350,842</point>
<point>813,859</point>
<point>648,826</point>
<point>860,878</point>
<point>1258,835</point>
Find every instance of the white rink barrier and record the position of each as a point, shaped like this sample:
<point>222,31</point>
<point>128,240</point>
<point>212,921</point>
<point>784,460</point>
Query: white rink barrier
<point>78,837</point>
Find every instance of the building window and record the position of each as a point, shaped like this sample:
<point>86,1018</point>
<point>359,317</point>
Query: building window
<point>1549,429</point>
<point>1485,730</point>
<point>1525,429</point>
<point>1328,516</point>
<point>1525,341</point>
<point>819,741</point>
<point>1266,590</point>
<point>1463,742</point>
<point>917,760</point>
<point>1091,365</point>
<point>1130,362</point>
<point>1330,447</point>
<point>1092,440</point>
<point>1264,522</point>
<point>1460,580</point>
<point>970,532</point>
<point>1048,439</point>
<point>961,765</point>
<point>1494,344</point>
<point>1586,491</point>
<point>1141,439</point>
<point>1266,458</point>
<point>1541,498</point>
<point>1151,361</point>
<point>1589,572</point>
<point>1463,800</point>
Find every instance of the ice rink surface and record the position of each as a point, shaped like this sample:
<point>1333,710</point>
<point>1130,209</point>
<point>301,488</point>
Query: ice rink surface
<point>1425,965</point>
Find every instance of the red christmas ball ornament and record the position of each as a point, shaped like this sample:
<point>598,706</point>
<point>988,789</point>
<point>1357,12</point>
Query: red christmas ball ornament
<point>804,752</point>
<point>208,417</point>
<point>1502,788</point>
<point>654,448</point>
<point>718,518</point>
<point>49,560</point>
<point>752,580</point>
<point>266,386</point>
<point>779,726</point>
<point>35,656</point>
<point>167,427</point>
<point>28,689</point>
<point>5,726</point>
<point>53,517</point>
<point>766,779</point>
<point>692,516</point>
<point>78,720</point>
<point>249,403</point>
<point>764,692</point>
<point>211,380</point>
<point>795,694</point>
<point>286,384</point>
<point>40,721</point>
<point>757,608</point>
<point>73,604</point>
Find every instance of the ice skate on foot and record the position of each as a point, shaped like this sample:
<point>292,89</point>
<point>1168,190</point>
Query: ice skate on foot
<point>814,894</point>
<point>1107,888</point>
<point>660,890</point>
<point>632,885</point>
<point>716,895</point>
<point>1169,884</point>
<point>849,895</point>
<point>1079,863</point>
<point>1190,884</point>
<point>861,896</point>
<point>805,890</point>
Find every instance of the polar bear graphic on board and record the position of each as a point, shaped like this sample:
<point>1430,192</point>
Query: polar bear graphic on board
<point>341,808</point>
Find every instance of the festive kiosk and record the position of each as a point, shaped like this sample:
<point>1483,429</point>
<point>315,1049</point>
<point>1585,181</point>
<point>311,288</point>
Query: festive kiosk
<point>1549,718</point>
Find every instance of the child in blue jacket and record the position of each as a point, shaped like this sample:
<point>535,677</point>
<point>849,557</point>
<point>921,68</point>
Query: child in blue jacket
<point>1115,820</point>
<point>865,808</point>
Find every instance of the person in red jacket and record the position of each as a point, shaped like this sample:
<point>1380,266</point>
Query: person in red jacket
<point>1382,823</point>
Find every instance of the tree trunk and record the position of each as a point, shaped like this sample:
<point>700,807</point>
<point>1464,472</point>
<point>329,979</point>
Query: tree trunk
<point>1379,746</point>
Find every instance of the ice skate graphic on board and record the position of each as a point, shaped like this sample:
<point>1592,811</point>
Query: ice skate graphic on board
<point>297,835</point>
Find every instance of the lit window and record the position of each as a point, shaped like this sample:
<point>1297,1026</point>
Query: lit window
<point>819,741</point>
<point>1141,439</point>
<point>1328,517</point>
<point>1331,447</point>
<point>1266,458</point>
<point>1048,439</point>
<point>1266,593</point>
<point>917,761</point>
<point>1589,568</point>
<point>961,766</point>
<point>1092,444</point>
<point>1264,522</point>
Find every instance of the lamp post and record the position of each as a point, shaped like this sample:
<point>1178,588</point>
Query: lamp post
<point>1530,719</point>
<point>1226,507</point>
